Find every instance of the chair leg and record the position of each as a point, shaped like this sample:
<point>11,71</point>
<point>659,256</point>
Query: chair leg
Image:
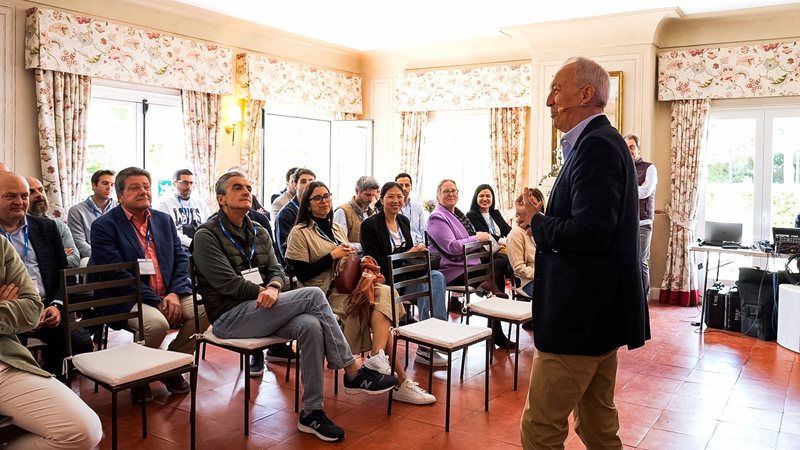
<point>144,417</point>
<point>486,378</point>
<point>430,369</point>
<point>241,361</point>
<point>204,351</point>
<point>449,382</point>
<point>392,372</point>
<point>114,420</point>
<point>335,381</point>
<point>193,408</point>
<point>406,367</point>
<point>246,396</point>
<point>491,347</point>
<point>516,358</point>
<point>463,362</point>
<point>289,367</point>
<point>296,381</point>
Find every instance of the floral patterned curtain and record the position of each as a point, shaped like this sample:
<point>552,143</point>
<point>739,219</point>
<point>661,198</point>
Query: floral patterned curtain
<point>689,118</point>
<point>62,100</point>
<point>346,116</point>
<point>411,142</point>
<point>507,133</point>
<point>201,122</point>
<point>250,156</point>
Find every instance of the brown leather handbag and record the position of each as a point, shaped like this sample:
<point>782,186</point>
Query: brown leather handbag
<point>347,273</point>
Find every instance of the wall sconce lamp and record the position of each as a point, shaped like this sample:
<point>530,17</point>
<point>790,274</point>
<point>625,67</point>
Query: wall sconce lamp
<point>231,115</point>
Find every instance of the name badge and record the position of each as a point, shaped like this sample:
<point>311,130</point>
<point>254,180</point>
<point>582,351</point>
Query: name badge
<point>146,267</point>
<point>253,275</point>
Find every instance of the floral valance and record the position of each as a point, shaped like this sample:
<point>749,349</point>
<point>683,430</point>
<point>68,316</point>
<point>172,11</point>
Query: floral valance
<point>765,70</point>
<point>502,86</point>
<point>65,42</point>
<point>263,78</point>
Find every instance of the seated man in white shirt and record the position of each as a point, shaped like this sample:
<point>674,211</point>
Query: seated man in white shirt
<point>187,213</point>
<point>412,210</point>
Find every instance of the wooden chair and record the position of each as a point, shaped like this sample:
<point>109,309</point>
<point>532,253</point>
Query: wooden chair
<point>414,268</point>
<point>127,366</point>
<point>244,347</point>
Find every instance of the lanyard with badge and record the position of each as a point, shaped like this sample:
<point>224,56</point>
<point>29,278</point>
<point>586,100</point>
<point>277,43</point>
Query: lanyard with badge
<point>392,240</point>
<point>251,274</point>
<point>189,210</point>
<point>146,266</point>
<point>25,240</point>
<point>95,210</point>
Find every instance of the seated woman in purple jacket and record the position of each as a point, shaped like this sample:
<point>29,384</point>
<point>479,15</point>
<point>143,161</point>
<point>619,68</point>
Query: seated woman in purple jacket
<point>449,229</point>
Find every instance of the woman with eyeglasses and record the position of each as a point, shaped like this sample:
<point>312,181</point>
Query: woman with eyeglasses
<point>449,229</point>
<point>389,232</point>
<point>314,247</point>
<point>484,216</point>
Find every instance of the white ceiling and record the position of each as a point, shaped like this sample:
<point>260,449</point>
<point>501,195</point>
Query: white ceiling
<point>381,24</point>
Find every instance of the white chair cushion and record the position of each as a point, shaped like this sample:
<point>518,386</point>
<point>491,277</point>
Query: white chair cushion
<point>245,344</point>
<point>501,308</point>
<point>129,362</point>
<point>35,343</point>
<point>444,334</point>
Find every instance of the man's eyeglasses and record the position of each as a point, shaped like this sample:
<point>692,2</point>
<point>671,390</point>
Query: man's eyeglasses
<point>321,198</point>
<point>185,182</point>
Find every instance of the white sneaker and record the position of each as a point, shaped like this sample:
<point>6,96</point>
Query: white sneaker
<point>423,357</point>
<point>410,392</point>
<point>379,363</point>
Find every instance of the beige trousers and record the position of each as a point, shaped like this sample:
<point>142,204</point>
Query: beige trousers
<point>561,384</point>
<point>53,415</point>
<point>156,326</point>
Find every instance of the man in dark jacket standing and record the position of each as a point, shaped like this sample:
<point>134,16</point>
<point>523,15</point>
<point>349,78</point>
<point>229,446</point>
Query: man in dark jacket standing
<point>588,293</point>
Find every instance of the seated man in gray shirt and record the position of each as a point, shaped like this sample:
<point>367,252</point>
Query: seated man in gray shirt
<point>82,215</point>
<point>240,280</point>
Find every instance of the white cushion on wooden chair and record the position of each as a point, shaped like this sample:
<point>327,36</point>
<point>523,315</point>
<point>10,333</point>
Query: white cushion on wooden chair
<point>245,344</point>
<point>35,343</point>
<point>502,308</point>
<point>444,334</point>
<point>129,362</point>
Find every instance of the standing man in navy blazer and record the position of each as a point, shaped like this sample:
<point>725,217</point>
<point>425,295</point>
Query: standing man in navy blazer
<point>133,231</point>
<point>588,295</point>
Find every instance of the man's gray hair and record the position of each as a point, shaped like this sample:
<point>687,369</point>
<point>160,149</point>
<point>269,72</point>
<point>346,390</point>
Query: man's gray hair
<point>589,72</point>
<point>366,182</point>
<point>222,182</point>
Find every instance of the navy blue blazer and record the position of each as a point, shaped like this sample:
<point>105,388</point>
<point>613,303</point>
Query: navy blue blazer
<point>588,282</point>
<point>114,240</point>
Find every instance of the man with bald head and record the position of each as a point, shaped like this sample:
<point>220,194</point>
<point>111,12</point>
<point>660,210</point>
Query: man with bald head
<point>38,207</point>
<point>588,295</point>
<point>37,242</point>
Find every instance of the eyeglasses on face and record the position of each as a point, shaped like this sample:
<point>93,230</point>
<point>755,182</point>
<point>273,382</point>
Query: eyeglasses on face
<point>185,182</point>
<point>450,192</point>
<point>321,198</point>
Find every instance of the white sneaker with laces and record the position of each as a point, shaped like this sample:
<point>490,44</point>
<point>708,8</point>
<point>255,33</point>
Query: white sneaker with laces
<point>410,392</point>
<point>379,363</point>
<point>423,357</point>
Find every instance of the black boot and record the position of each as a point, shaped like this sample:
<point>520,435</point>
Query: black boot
<point>500,340</point>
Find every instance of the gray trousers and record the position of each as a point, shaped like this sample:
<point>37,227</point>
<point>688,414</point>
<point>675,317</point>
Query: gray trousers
<point>645,235</point>
<point>302,314</point>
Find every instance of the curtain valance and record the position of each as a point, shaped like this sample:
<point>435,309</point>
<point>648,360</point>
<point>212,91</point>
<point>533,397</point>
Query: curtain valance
<point>260,77</point>
<point>501,86</point>
<point>64,42</point>
<point>745,71</point>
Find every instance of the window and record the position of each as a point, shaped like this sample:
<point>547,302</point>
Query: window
<point>455,145</point>
<point>752,172</point>
<point>132,127</point>
<point>337,151</point>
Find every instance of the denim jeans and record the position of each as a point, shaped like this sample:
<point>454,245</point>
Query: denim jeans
<point>437,291</point>
<point>303,314</point>
<point>528,289</point>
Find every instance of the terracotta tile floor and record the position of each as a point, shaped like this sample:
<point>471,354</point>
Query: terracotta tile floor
<point>681,391</point>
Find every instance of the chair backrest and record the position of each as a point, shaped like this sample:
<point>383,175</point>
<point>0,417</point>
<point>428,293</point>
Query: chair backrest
<point>197,300</point>
<point>126,276</point>
<point>409,269</point>
<point>480,272</point>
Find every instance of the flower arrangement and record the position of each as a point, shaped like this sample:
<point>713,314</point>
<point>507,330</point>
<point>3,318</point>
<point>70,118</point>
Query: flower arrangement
<point>429,205</point>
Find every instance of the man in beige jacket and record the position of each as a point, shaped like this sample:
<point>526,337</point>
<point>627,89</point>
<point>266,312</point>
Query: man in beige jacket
<point>28,394</point>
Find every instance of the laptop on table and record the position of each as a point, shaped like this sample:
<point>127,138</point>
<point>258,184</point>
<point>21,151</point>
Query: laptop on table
<point>718,233</point>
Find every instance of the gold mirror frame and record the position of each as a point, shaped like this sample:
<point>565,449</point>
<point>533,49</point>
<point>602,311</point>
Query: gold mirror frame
<point>613,110</point>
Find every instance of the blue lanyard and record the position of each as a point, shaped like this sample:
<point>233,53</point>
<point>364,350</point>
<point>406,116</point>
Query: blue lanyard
<point>26,240</point>
<point>248,259</point>
<point>327,238</point>
<point>392,241</point>
<point>97,212</point>
<point>181,204</point>
<point>492,228</point>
